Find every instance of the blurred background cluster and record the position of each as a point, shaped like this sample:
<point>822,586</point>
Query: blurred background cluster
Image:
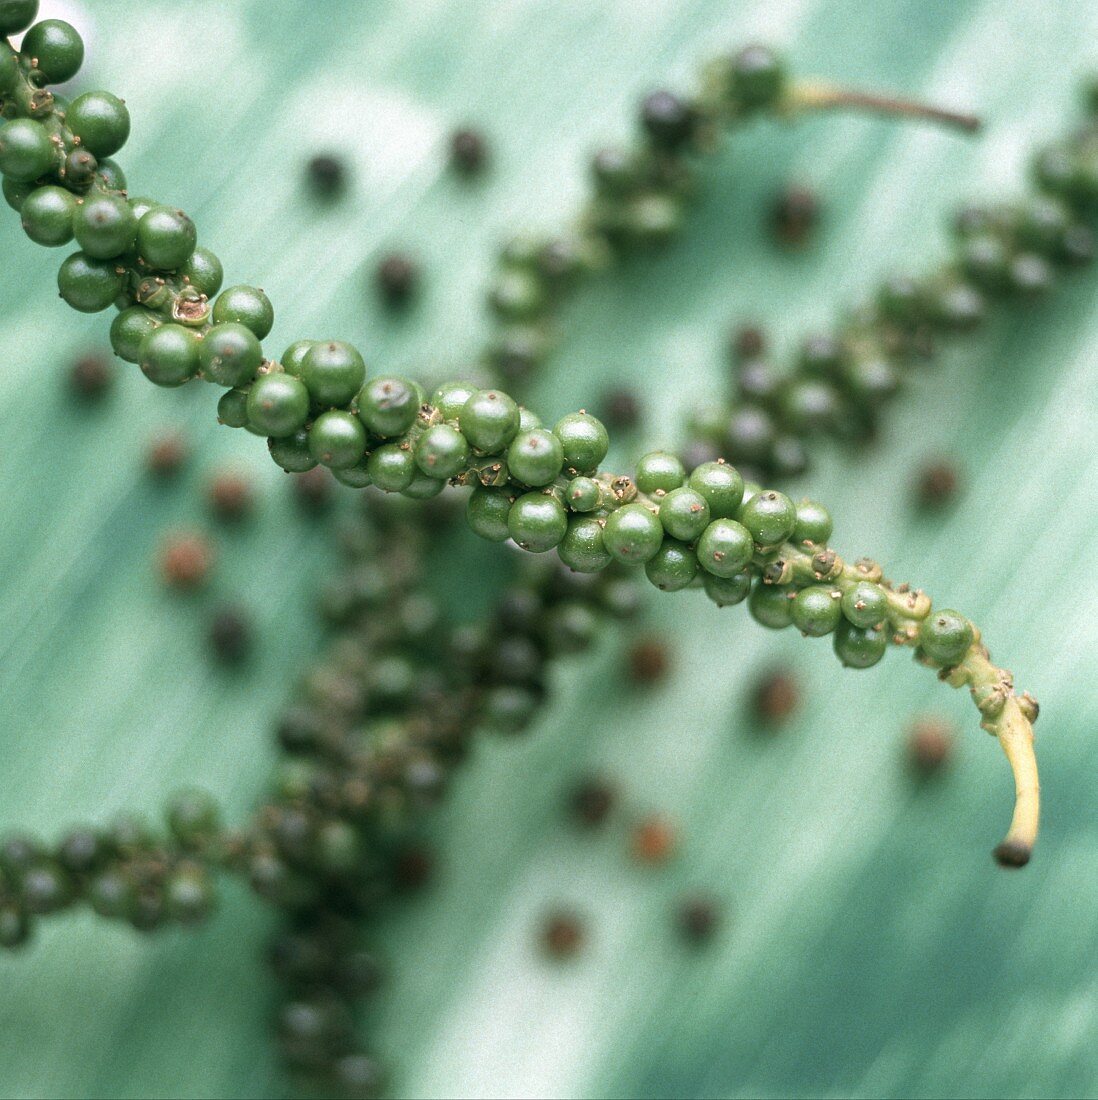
<point>716,866</point>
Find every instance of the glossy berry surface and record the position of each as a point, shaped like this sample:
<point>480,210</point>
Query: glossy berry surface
<point>489,421</point>
<point>26,151</point>
<point>332,371</point>
<point>388,405</point>
<point>248,305</point>
<point>101,121</point>
<point>47,215</point>
<point>277,404</point>
<point>87,284</point>
<point>535,457</point>
<point>166,239</point>
<point>945,636</point>
<point>230,355</point>
<point>57,49</point>
<point>104,226</point>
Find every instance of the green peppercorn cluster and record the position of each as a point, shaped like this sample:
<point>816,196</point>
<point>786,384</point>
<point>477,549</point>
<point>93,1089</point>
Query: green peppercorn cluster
<point>839,381</point>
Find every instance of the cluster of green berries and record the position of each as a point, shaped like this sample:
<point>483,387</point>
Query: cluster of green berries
<point>128,872</point>
<point>639,197</point>
<point>839,381</point>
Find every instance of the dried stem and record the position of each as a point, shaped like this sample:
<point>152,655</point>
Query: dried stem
<point>818,96</point>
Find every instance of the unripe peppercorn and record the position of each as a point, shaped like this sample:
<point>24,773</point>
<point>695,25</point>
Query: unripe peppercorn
<point>659,472</point>
<point>442,451</point>
<point>722,487</point>
<point>771,517</point>
<point>101,121</point>
<point>537,522</point>
<point>277,404</point>
<point>47,215</point>
<point>535,457</point>
<point>26,151</point>
<point>166,238</point>
<point>632,534</point>
<point>249,306</point>
<point>333,372</point>
<point>859,647</point>
<point>584,441</point>
<point>582,549</point>
<point>945,636</point>
<point>229,354</point>
<point>489,421</point>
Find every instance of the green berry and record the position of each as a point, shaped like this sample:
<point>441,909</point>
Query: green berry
<point>582,548</point>
<point>758,77</point>
<point>188,895</point>
<point>684,513</point>
<point>202,269</point>
<point>248,305</point>
<point>111,175</point>
<point>945,636</point>
<point>450,398</point>
<point>859,647</point>
<point>166,239</point>
<point>537,522</point>
<point>337,439</point>
<point>292,453</point>
<point>632,534</point>
<point>230,355</point>
<point>487,511</point>
<point>442,451</point>
<point>771,605</point>
<point>388,406</point>
<point>423,487</point>
<point>721,486</point>
<point>169,355</point>
<point>813,523</point>
<point>535,457</point>
<point>232,409</point>
<point>129,328</point>
<point>15,928</point>
<point>584,441</point>
<point>278,404</point>
<point>87,284</point>
<point>26,151</point>
<point>659,472</point>
<point>725,548</point>
<point>47,215</point>
<point>583,494</point>
<point>489,421</point>
<point>293,357</point>
<point>816,610</point>
<point>865,605</point>
<point>727,591</point>
<point>57,49</point>
<point>9,69</point>
<point>672,567</point>
<point>193,817</point>
<point>101,121</point>
<point>15,193</point>
<point>392,468</point>
<point>104,226</point>
<point>356,476</point>
<point>770,516</point>
<point>16,15</point>
<point>333,372</point>
<point>528,420</point>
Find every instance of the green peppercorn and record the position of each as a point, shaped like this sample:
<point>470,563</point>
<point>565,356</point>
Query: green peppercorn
<point>292,452</point>
<point>770,516</point>
<point>582,548</point>
<point>79,168</point>
<point>489,420</point>
<point>101,122</point>
<point>392,468</point>
<point>583,494</point>
<point>166,239</point>
<point>229,354</point>
<point>535,457</point>
<point>423,487</point>
<point>450,398</point>
<point>337,439</point>
<point>9,69</point>
<point>47,215</point>
<point>771,605</point>
<point>487,511</point>
<point>81,850</point>
<point>816,610</point>
<point>537,522</point>
<point>45,888</point>
<point>169,355</point>
<point>659,472</point>
<point>684,513</point>
<point>356,476</point>
<point>87,284</point>
<point>584,441</point>
<point>188,895</point>
<point>442,451</point>
<point>388,406</point>
<point>104,226</point>
<point>26,151</point>
<point>632,534</point>
<point>277,404</point>
<point>248,305</point>
<point>193,817</point>
<point>15,193</point>
<point>57,49</point>
<point>722,487</point>
<point>945,636</point>
<point>332,370</point>
<point>727,591</point>
<point>232,408</point>
<point>672,567</point>
<point>202,269</point>
<point>725,548</point>
<point>859,647</point>
<point>809,405</point>
<point>111,175</point>
<point>813,524</point>
<point>758,77</point>
<point>865,605</point>
<point>16,15</point>
<point>128,329</point>
<point>668,120</point>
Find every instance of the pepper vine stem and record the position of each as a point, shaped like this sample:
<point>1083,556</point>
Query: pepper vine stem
<point>822,96</point>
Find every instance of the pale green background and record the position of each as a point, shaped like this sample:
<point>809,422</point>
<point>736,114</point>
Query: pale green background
<point>872,946</point>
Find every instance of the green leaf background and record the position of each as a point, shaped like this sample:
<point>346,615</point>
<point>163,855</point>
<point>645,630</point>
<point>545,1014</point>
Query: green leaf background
<point>871,946</point>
